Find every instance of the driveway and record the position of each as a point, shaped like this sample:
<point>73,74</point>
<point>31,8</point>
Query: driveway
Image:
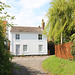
<point>29,65</point>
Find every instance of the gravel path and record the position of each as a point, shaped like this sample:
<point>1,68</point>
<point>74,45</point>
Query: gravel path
<point>29,65</point>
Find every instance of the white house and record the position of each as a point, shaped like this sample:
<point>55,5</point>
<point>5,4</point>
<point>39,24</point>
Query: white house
<point>28,41</point>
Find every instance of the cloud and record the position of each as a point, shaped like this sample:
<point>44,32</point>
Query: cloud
<point>30,4</point>
<point>3,1</point>
<point>24,12</point>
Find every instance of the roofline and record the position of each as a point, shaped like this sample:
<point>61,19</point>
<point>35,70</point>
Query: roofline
<point>25,27</point>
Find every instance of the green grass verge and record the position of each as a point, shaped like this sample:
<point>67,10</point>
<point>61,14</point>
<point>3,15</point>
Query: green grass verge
<point>59,66</point>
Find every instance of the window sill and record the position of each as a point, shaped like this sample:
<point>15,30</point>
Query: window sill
<point>40,40</point>
<point>17,39</point>
<point>40,51</point>
<point>25,51</point>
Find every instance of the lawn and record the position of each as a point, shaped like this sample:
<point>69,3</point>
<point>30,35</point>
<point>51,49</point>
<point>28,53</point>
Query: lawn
<point>59,66</point>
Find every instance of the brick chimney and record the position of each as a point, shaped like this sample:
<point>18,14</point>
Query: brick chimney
<point>43,24</point>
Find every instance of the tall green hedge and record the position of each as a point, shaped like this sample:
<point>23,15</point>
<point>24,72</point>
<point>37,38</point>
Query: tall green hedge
<point>5,63</point>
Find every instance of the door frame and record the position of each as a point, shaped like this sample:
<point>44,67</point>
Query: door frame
<point>17,53</point>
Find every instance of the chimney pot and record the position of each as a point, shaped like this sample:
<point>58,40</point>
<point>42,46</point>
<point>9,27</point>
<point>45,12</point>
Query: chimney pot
<point>39,26</point>
<point>43,24</point>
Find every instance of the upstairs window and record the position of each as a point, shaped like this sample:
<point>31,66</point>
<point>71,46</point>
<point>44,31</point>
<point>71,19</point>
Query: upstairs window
<point>17,36</point>
<point>40,36</point>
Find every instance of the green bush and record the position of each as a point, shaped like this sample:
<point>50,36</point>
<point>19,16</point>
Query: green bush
<point>73,46</point>
<point>5,65</point>
<point>5,68</point>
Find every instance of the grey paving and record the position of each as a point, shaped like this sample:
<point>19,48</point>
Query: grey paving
<point>29,65</point>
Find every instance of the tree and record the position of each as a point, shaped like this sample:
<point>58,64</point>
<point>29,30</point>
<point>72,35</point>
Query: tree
<point>61,19</point>
<point>3,25</point>
<point>5,64</point>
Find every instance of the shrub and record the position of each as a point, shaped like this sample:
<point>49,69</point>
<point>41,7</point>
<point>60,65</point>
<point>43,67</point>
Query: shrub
<point>73,46</point>
<point>5,65</point>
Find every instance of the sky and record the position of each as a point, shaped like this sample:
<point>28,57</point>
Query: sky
<point>28,12</point>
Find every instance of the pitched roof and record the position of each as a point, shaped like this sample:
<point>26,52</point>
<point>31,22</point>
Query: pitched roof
<point>26,29</point>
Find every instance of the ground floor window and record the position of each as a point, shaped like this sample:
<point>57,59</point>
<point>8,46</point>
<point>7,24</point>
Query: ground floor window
<point>40,48</point>
<point>24,47</point>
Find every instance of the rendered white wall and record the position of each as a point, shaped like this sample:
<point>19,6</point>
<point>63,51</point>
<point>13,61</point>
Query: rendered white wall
<point>32,42</point>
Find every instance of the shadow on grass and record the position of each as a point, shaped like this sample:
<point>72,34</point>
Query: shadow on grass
<point>22,70</point>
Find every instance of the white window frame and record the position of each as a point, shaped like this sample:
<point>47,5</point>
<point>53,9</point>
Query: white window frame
<point>17,36</point>
<point>25,48</point>
<point>40,47</point>
<point>39,36</point>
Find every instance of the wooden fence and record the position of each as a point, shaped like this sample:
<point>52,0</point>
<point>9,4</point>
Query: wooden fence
<point>63,50</point>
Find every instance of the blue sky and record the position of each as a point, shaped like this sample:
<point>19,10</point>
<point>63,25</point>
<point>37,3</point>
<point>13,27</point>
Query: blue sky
<point>28,12</point>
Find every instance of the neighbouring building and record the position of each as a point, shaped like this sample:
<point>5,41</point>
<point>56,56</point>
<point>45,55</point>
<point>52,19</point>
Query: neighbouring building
<point>28,41</point>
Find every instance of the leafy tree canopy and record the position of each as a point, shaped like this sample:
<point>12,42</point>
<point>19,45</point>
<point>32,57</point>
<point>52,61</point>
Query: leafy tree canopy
<point>4,16</point>
<point>61,18</point>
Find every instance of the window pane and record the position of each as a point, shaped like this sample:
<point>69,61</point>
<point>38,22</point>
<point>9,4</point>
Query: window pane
<point>17,36</point>
<point>40,36</point>
<point>40,47</point>
<point>24,47</point>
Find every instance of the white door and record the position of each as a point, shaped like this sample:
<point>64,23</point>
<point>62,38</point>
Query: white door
<point>17,49</point>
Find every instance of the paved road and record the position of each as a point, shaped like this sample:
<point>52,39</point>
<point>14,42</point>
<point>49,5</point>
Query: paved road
<point>29,65</point>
